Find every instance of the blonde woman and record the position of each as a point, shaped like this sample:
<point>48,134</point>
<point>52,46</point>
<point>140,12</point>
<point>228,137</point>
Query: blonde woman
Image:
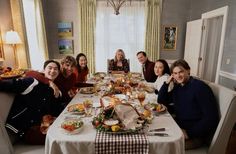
<point>119,63</point>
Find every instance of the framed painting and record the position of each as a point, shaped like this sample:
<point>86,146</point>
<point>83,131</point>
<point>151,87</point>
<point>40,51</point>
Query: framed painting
<point>169,37</point>
<point>65,29</point>
<point>65,46</point>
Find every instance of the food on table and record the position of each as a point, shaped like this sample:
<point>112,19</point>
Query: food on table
<point>72,125</point>
<point>79,107</point>
<point>87,90</point>
<point>119,118</point>
<point>111,122</point>
<point>149,89</point>
<point>147,113</point>
<point>12,73</point>
<point>160,108</point>
<point>115,128</point>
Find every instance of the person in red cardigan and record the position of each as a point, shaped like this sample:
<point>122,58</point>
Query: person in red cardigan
<point>81,71</point>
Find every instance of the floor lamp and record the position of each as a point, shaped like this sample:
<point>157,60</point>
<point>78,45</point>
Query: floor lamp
<point>12,38</point>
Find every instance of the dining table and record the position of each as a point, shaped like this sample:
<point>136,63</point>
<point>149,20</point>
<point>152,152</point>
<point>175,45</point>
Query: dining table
<point>86,140</point>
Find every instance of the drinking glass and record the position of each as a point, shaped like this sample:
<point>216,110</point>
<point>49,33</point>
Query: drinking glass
<point>88,107</point>
<point>141,97</point>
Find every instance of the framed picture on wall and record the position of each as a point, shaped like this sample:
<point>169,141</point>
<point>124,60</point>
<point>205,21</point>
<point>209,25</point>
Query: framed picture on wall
<point>169,37</point>
<point>65,46</point>
<point>65,29</point>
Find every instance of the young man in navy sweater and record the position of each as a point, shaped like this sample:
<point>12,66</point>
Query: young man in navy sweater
<point>195,106</point>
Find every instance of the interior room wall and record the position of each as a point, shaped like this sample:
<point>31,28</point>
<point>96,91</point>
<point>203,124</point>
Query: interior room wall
<point>175,13</point>
<point>229,51</point>
<point>56,11</point>
<point>6,25</point>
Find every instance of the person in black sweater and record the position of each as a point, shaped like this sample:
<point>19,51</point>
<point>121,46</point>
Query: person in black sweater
<point>194,104</point>
<point>33,100</point>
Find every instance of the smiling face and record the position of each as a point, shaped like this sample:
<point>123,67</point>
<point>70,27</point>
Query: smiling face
<point>141,58</point>
<point>82,61</point>
<point>51,71</point>
<point>67,68</point>
<point>180,74</point>
<point>158,68</point>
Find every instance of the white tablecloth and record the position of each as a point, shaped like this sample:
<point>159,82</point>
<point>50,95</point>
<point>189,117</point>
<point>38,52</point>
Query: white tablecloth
<point>58,142</point>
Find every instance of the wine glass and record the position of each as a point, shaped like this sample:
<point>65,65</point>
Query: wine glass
<point>88,107</point>
<point>141,97</point>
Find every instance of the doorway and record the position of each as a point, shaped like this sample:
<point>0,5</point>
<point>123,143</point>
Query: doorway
<point>205,40</point>
<point>210,48</point>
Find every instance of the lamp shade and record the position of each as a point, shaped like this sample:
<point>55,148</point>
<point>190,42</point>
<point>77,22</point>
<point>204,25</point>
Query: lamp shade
<point>12,37</point>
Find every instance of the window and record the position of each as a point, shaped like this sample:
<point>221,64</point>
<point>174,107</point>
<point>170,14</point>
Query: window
<point>124,31</point>
<point>34,32</point>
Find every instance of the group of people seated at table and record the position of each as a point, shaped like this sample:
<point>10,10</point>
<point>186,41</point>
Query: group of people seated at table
<point>47,93</point>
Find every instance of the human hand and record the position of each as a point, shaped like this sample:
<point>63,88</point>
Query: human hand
<point>171,78</point>
<point>71,93</point>
<point>57,92</point>
<point>185,134</point>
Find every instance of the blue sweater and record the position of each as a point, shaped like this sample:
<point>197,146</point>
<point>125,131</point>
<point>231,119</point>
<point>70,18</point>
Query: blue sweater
<point>195,107</point>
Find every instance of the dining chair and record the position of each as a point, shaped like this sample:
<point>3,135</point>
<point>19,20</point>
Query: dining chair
<point>108,63</point>
<point>226,99</point>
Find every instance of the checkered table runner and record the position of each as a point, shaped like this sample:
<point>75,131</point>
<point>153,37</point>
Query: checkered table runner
<point>106,143</point>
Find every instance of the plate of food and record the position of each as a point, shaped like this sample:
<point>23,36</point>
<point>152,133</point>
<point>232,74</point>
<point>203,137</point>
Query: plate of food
<point>100,74</point>
<point>87,90</point>
<point>76,108</point>
<point>72,126</point>
<point>12,74</point>
<point>156,108</point>
<point>136,75</point>
<point>119,119</point>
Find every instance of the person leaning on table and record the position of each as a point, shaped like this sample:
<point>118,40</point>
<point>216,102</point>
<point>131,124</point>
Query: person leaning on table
<point>32,102</point>
<point>194,104</point>
<point>63,85</point>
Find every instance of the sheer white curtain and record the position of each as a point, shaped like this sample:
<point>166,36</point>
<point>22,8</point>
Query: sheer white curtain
<point>35,31</point>
<point>124,31</point>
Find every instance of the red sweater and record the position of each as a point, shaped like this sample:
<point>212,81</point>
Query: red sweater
<point>81,78</point>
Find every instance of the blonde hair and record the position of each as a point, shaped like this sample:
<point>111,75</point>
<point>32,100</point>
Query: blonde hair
<point>123,54</point>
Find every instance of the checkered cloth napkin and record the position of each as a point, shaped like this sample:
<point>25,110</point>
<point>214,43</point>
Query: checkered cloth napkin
<point>127,143</point>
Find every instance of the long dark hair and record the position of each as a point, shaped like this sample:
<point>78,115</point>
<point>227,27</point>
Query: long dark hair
<point>77,60</point>
<point>166,66</point>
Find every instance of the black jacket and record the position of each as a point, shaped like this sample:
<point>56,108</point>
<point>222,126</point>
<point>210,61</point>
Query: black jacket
<point>33,100</point>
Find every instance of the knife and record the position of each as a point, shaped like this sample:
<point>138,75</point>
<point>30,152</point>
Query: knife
<point>157,130</point>
<point>158,134</point>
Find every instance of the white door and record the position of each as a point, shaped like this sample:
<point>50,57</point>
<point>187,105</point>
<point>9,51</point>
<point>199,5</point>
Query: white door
<point>204,44</point>
<point>210,48</point>
<point>192,45</point>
